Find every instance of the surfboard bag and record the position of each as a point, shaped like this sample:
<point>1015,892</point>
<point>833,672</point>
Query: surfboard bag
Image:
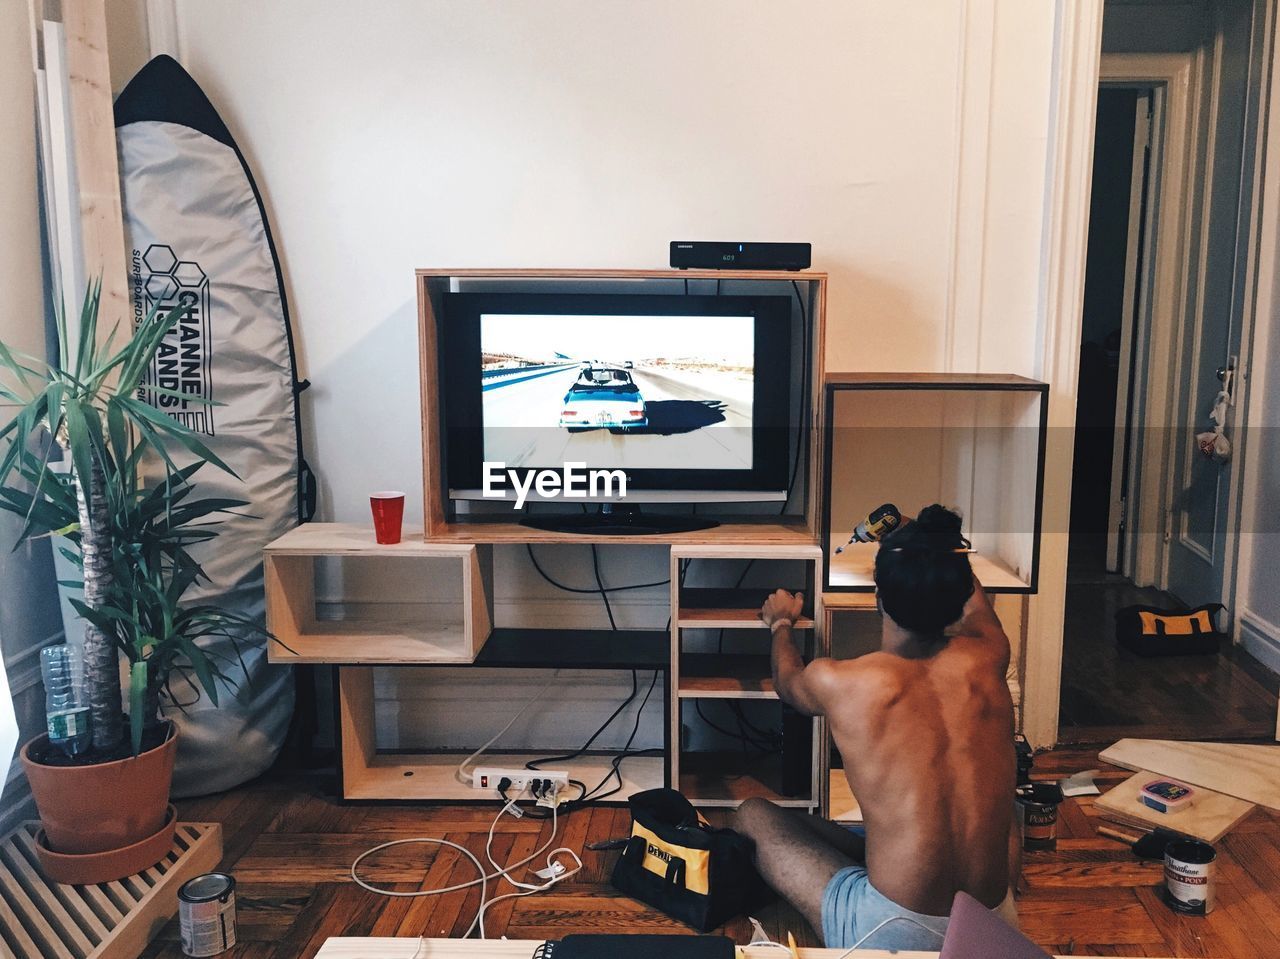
<point>1151,631</point>
<point>198,239</point>
<point>679,864</point>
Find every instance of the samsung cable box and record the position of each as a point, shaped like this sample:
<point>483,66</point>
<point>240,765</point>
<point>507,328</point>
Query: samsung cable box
<point>709,255</point>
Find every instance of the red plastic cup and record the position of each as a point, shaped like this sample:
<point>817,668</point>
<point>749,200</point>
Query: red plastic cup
<point>388,515</point>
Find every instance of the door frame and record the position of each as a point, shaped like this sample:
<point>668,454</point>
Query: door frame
<point>1176,78</point>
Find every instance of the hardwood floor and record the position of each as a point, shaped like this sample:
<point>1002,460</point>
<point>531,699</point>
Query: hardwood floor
<point>1109,693</point>
<point>290,846</point>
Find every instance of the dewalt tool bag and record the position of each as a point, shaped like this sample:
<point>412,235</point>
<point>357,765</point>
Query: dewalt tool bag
<point>1151,631</point>
<point>678,863</point>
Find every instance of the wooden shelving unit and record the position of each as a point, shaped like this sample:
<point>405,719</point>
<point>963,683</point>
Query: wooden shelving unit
<point>714,778</point>
<point>455,545</point>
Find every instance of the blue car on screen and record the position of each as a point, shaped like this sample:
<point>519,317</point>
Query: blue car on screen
<point>604,398</point>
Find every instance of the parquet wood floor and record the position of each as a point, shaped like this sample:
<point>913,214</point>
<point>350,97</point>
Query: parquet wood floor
<point>289,845</point>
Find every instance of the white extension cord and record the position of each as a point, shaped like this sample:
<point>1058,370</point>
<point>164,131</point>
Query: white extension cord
<point>554,873</point>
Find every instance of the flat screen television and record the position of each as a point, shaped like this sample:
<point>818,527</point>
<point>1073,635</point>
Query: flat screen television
<point>670,398</point>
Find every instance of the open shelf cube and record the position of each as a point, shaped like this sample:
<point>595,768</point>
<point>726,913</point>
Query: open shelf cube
<point>712,779</point>
<point>452,631</point>
<point>973,442</point>
<point>365,773</point>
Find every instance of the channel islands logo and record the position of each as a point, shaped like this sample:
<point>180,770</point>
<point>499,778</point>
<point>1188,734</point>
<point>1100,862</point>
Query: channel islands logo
<point>183,363</point>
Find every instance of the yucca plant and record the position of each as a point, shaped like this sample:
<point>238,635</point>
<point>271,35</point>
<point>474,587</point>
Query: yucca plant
<point>130,541</point>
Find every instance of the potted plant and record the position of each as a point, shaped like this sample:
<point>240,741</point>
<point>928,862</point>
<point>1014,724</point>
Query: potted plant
<point>105,813</point>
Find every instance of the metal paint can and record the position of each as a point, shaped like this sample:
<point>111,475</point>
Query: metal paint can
<point>1188,876</point>
<point>207,914</point>
<point>1039,804</point>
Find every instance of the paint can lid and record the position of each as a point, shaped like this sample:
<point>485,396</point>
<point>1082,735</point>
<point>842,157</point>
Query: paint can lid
<point>206,888</point>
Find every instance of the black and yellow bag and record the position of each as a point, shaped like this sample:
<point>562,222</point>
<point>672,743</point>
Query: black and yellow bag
<point>678,863</point>
<point>1151,631</point>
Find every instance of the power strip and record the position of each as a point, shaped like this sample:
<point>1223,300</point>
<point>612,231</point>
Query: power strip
<point>488,777</point>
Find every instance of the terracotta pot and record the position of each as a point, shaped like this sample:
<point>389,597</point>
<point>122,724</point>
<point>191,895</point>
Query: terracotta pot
<point>108,806</point>
<point>95,867</point>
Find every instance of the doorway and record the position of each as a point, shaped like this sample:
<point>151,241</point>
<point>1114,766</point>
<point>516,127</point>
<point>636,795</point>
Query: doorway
<point>1147,172</point>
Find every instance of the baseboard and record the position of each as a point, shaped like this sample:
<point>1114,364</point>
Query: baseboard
<point>1260,638</point>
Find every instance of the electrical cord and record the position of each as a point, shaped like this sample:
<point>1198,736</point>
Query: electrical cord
<point>461,773</point>
<point>590,589</point>
<point>483,877</point>
<point>604,593</point>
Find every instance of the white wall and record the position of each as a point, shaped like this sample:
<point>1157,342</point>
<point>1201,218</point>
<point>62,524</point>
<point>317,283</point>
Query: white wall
<point>906,141</point>
<point>28,610</point>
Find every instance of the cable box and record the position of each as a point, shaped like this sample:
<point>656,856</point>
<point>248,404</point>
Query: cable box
<point>713,255</point>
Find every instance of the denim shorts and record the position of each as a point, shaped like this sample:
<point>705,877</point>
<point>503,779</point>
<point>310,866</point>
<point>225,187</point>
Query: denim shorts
<point>852,908</point>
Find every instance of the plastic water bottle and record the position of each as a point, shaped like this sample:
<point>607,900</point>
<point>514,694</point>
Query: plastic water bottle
<point>65,706</point>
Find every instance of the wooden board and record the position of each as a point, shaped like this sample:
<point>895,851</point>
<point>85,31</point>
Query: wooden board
<point>731,533</point>
<point>711,779</point>
<point>844,806</point>
<point>350,539</point>
<point>1251,773</point>
<point>430,776</point>
<point>42,919</point>
<point>350,947</point>
<point>725,676</point>
<point>1210,818</point>
<point>855,568</point>
<point>989,381</point>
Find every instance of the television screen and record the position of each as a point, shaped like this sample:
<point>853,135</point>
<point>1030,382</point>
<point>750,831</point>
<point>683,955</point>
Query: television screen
<point>618,391</point>
<point>679,392</point>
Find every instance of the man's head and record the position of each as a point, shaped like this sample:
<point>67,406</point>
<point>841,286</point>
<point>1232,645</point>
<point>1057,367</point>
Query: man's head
<point>922,577</point>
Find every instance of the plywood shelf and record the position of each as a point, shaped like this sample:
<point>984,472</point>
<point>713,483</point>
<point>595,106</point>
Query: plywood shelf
<point>702,608</point>
<point>723,779</point>
<point>431,776</point>
<point>917,381</point>
<point>854,569</point>
<point>725,676</point>
<point>735,532</point>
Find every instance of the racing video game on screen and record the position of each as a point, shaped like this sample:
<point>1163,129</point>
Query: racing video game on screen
<point>618,392</point>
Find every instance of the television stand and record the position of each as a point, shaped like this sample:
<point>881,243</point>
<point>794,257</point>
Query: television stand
<point>611,520</point>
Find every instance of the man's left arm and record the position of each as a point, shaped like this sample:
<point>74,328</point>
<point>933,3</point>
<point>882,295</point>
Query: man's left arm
<point>798,685</point>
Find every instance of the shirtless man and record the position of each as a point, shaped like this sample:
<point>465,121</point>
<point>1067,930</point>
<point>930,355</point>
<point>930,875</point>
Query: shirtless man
<point>925,727</point>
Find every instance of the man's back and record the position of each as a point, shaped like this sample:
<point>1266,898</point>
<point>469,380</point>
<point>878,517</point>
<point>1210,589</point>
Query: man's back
<point>927,748</point>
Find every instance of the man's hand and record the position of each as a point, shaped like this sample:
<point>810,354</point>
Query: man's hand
<point>782,605</point>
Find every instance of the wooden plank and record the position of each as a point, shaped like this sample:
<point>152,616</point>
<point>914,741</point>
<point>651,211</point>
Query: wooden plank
<point>430,776</point>
<point>855,568</point>
<point>355,727</point>
<point>46,904</point>
<point>729,536</point>
<point>78,904</point>
<point>373,641</point>
<point>725,676</point>
<point>844,805</point>
<point>353,539</point>
<point>403,947</point>
<point>725,779</point>
<point>797,544</point>
<point>1211,816</point>
<point>97,170</point>
<point>498,273</point>
<point>1251,773</point>
<point>434,508</point>
<point>905,381</point>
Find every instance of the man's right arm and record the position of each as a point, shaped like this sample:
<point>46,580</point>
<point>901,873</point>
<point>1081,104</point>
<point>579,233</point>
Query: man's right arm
<point>979,621</point>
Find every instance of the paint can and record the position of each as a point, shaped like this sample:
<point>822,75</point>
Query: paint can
<point>1039,804</point>
<point>207,914</point>
<point>1188,876</point>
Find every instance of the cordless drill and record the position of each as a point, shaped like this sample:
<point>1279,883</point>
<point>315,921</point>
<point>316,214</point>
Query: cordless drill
<point>880,522</point>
